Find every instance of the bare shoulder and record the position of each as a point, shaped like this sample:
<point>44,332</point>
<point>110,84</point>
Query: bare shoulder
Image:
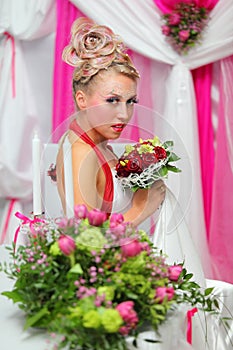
<point>82,153</point>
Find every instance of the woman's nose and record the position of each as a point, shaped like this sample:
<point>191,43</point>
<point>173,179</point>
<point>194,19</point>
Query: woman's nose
<point>122,112</point>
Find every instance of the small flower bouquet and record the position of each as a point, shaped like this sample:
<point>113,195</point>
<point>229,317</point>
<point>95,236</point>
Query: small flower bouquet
<point>94,281</point>
<point>183,27</point>
<point>145,162</point>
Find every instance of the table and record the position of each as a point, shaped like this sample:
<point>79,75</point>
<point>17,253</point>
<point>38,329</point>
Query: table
<point>172,332</point>
<point>12,335</point>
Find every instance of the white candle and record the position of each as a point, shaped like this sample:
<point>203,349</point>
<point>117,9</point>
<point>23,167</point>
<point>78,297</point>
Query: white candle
<point>36,149</point>
<point>68,178</point>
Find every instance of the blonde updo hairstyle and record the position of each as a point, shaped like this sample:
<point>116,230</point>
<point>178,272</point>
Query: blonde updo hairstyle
<point>92,49</point>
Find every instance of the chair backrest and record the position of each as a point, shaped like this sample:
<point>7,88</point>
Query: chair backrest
<point>50,197</point>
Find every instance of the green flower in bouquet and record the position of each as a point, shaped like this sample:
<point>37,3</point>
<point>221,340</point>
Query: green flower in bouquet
<point>94,281</point>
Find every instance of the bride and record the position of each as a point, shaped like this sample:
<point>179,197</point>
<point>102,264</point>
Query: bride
<point>105,93</point>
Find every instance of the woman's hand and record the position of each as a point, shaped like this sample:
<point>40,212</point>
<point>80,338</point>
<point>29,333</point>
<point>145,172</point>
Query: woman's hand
<point>146,202</point>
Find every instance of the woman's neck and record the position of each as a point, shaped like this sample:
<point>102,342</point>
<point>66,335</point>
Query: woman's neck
<point>92,134</point>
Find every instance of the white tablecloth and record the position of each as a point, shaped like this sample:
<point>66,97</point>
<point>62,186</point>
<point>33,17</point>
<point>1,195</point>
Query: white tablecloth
<point>12,335</point>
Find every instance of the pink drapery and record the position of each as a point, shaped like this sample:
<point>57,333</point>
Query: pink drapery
<point>167,6</point>
<point>202,78</point>
<point>63,105</point>
<point>222,202</point>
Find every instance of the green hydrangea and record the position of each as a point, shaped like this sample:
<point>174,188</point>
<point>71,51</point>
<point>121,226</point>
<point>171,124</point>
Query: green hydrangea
<point>111,320</point>
<point>138,283</point>
<point>76,312</point>
<point>92,319</point>
<point>135,264</point>
<point>108,291</point>
<point>91,239</point>
<point>54,249</point>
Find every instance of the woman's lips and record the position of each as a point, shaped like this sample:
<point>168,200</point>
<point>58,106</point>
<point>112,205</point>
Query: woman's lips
<point>118,127</point>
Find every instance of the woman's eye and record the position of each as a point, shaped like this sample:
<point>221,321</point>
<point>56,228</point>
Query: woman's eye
<point>113,100</point>
<point>132,101</point>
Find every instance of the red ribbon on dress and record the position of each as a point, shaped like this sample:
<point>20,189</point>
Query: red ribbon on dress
<point>190,314</point>
<point>9,36</point>
<point>26,220</point>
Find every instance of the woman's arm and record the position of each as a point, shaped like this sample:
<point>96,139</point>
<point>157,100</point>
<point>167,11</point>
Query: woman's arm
<point>145,203</point>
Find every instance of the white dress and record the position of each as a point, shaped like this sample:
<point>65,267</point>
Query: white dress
<point>172,236</point>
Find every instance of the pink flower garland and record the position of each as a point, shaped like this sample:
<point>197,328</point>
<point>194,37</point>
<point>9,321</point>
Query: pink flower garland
<point>184,25</point>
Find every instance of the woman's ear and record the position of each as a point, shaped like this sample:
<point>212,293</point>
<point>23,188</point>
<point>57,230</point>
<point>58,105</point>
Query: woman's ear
<point>81,100</point>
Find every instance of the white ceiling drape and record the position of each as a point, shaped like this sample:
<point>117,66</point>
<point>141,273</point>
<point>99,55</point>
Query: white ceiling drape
<point>138,23</point>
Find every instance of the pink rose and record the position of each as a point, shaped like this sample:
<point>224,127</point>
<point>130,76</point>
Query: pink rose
<point>130,247</point>
<point>96,217</point>
<point>80,211</point>
<point>174,272</point>
<point>166,30</point>
<point>118,230</point>
<point>184,35</point>
<point>174,19</point>
<point>124,330</point>
<point>127,312</point>
<point>62,223</point>
<point>116,218</point>
<point>164,292</point>
<point>66,244</point>
<point>145,246</point>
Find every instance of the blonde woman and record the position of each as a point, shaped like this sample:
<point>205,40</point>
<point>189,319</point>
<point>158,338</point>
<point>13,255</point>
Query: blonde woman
<point>105,92</point>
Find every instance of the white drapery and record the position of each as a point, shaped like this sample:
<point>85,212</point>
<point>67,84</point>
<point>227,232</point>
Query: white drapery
<point>26,58</point>
<point>139,23</point>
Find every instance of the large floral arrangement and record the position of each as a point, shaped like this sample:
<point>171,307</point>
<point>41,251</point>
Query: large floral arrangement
<point>145,162</point>
<point>183,27</point>
<point>94,280</point>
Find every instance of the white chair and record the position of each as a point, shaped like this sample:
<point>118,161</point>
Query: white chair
<point>50,197</point>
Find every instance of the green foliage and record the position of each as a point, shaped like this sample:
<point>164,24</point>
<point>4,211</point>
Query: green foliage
<point>78,297</point>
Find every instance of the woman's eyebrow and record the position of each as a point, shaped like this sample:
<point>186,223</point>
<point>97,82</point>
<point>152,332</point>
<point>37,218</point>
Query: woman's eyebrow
<point>126,96</point>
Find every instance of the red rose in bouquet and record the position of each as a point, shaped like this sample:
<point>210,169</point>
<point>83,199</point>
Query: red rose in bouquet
<point>145,162</point>
<point>160,152</point>
<point>148,158</point>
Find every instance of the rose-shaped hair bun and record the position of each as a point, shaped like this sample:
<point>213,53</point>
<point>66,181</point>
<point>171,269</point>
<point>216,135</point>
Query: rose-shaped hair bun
<point>94,47</point>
